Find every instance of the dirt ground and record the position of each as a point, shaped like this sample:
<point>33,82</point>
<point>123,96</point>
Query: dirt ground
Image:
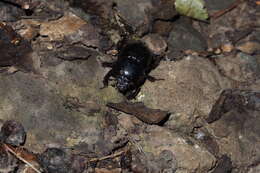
<point>201,115</point>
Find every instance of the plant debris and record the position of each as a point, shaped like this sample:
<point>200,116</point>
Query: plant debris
<point>222,12</point>
<point>224,165</point>
<point>14,50</point>
<point>23,155</point>
<point>233,98</point>
<point>140,111</point>
<point>8,162</point>
<point>192,8</point>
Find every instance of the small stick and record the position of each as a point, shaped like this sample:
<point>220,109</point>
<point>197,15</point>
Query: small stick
<point>20,158</point>
<point>107,157</point>
<point>222,12</point>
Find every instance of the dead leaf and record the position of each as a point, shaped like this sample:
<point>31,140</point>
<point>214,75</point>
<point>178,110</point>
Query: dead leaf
<point>14,50</point>
<point>147,115</point>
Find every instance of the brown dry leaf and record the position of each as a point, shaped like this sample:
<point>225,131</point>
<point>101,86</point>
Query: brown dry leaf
<point>56,30</point>
<point>25,156</point>
<point>8,162</point>
<point>249,47</point>
<point>22,152</point>
<point>147,115</point>
<point>29,29</point>
<point>231,99</point>
<point>14,50</point>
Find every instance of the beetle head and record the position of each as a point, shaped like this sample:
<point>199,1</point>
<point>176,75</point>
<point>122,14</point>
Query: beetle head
<point>123,84</point>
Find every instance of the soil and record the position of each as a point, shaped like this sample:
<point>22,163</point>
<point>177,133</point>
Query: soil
<point>200,113</point>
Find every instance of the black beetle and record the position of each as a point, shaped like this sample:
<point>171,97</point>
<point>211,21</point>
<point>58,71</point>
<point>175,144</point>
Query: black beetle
<point>131,69</point>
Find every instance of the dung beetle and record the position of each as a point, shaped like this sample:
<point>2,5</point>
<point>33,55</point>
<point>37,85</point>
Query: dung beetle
<point>131,69</point>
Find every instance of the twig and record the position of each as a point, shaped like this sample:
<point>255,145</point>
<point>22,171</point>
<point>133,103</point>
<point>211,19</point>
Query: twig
<point>20,158</point>
<point>222,12</point>
<point>107,157</point>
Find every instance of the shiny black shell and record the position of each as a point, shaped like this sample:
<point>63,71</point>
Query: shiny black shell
<point>131,68</point>
<point>134,61</point>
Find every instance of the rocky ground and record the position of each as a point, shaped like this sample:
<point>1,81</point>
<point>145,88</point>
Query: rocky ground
<point>51,55</point>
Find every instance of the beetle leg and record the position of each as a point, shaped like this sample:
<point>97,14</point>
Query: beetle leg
<point>152,79</point>
<point>156,61</point>
<point>132,94</point>
<point>107,64</point>
<point>106,78</point>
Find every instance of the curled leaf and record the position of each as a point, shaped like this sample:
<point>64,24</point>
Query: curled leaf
<point>140,111</point>
<point>192,8</point>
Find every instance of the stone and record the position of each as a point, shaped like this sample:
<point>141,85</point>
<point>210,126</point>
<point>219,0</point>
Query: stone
<point>189,90</point>
<point>162,28</point>
<point>163,10</point>
<point>135,13</point>
<point>230,29</point>
<point>237,134</point>
<point>155,43</point>
<point>224,165</point>
<point>10,13</point>
<point>101,8</point>
<point>61,160</point>
<point>40,103</point>
<point>240,67</point>
<point>189,156</point>
<point>13,133</point>
<point>184,37</point>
